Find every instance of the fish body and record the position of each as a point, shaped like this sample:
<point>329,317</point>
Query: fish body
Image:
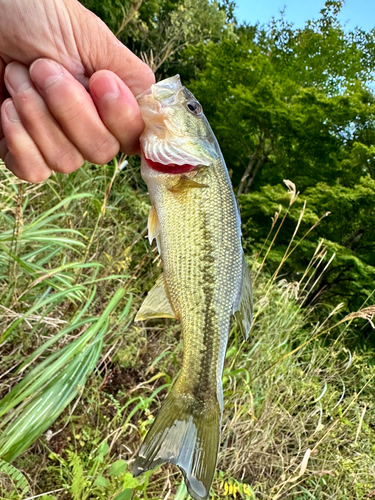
<point>205,280</point>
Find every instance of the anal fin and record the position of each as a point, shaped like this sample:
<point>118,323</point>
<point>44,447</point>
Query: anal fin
<point>156,304</point>
<point>243,305</point>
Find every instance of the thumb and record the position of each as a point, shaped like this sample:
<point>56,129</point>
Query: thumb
<point>100,49</point>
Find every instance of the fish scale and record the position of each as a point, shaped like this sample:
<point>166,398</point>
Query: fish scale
<point>205,280</point>
<point>195,224</point>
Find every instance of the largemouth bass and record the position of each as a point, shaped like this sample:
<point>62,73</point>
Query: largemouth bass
<point>195,220</point>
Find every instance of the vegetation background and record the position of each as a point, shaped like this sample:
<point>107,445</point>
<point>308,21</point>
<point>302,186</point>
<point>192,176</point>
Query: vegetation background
<point>80,383</point>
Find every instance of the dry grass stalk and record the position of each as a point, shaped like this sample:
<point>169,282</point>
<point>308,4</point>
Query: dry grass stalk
<point>366,313</point>
<point>290,290</point>
<point>274,220</point>
<point>291,190</point>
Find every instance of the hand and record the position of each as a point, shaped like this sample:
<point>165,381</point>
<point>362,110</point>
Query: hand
<point>52,51</point>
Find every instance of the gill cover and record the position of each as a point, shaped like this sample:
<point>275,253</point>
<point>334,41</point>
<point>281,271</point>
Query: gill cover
<point>174,132</point>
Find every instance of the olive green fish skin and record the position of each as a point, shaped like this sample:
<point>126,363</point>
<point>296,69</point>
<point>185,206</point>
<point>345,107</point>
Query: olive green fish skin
<point>201,253</point>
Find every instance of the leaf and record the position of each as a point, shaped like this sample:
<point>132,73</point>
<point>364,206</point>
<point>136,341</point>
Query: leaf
<point>103,448</point>
<point>50,387</point>
<point>124,495</point>
<point>129,481</point>
<point>117,468</point>
<point>101,481</point>
<point>18,479</point>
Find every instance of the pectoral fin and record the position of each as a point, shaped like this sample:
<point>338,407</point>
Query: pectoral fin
<point>185,183</point>
<point>156,304</point>
<point>153,225</point>
<point>243,305</point>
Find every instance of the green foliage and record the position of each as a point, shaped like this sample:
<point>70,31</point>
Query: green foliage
<point>15,477</point>
<point>159,30</point>
<point>346,232</point>
<point>112,12</point>
<point>53,384</point>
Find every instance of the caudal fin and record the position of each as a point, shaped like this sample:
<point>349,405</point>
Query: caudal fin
<point>187,435</point>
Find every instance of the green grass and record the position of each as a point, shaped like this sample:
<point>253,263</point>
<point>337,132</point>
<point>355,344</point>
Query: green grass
<point>80,383</point>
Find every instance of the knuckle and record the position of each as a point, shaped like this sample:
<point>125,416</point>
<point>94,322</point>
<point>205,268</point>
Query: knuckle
<point>66,162</point>
<point>66,110</point>
<point>29,165</point>
<point>69,113</point>
<point>105,151</point>
<point>32,173</point>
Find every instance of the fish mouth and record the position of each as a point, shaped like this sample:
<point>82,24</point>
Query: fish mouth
<point>169,168</point>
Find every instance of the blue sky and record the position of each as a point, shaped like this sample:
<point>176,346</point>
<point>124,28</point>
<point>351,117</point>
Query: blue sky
<point>357,12</point>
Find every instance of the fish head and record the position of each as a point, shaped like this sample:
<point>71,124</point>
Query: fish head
<point>177,137</point>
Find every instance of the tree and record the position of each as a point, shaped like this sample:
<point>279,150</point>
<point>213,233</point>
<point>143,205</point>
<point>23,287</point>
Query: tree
<point>159,30</point>
<point>295,104</point>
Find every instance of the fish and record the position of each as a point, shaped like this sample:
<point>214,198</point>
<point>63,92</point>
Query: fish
<point>205,281</point>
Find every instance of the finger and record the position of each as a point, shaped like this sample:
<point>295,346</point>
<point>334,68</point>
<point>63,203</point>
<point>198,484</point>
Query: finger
<point>118,109</point>
<point>3,148</point>
<point>100,49</point>
<point>18,150</point>
<point>73,108</point>
<point>58,151</point>
<point>2,90</point>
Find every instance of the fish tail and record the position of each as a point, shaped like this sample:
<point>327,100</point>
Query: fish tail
<point>187,434</point>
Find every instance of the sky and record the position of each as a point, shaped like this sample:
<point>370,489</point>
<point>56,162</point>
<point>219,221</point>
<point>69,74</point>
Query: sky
<point>359,13</point>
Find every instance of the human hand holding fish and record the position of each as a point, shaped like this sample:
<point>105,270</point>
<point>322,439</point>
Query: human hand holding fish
<point>51,53</point>
<point>195,221</point>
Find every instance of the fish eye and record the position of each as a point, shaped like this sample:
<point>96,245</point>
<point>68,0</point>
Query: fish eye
<point>194,107</point>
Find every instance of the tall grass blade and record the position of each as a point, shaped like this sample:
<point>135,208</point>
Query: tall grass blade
<point>35,403</point>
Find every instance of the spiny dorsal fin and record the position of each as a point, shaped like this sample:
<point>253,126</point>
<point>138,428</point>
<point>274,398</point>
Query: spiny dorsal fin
<point>153,225</point>
<point>243,305</point>
<point>185,183</point>
<point>156,304</point>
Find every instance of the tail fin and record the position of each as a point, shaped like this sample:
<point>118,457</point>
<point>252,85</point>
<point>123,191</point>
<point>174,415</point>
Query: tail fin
<point>187,435</point>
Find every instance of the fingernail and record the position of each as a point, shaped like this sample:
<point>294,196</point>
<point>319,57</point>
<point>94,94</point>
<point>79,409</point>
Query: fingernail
<point>105,88</point>
<point>12,112</point>
<point>17,77</point>
<point>45,72</point>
